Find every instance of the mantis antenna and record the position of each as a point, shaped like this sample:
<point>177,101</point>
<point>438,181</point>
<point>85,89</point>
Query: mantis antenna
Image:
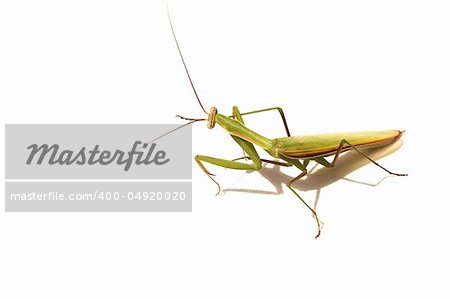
<point>184,63</point>
<point>177,128</point>
<point>191,120</point>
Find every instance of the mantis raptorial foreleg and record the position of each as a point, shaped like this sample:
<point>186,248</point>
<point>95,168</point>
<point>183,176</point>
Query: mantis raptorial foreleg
<point>246,146</point>
<point>325,163</point>
<point>255,165</point>
<point>266,161</point>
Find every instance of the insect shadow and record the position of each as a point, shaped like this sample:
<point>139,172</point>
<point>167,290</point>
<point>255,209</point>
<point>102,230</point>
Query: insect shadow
<point>316,179</point>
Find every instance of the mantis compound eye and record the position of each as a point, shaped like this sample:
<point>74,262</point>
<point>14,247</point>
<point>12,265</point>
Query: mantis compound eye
<point>211,118</point>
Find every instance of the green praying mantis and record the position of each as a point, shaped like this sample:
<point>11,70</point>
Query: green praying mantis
<point>297,151</point>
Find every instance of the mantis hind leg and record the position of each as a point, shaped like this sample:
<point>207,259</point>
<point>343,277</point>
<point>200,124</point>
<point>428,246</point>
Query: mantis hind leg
<point>325,163</point>
<point>289,185</point>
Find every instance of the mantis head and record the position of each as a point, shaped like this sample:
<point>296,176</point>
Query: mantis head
<point>211,118</point>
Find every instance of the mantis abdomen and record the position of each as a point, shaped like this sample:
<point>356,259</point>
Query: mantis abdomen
<point>321,145</point>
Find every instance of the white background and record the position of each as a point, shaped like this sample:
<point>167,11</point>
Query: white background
<point>332,66</point>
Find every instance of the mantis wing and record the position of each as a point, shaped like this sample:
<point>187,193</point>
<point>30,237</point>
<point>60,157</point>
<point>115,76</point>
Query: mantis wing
<point>311,146</point>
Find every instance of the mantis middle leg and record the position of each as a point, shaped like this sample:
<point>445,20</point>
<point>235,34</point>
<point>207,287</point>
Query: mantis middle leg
<point>289,185</point>
<point>280,110</point>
